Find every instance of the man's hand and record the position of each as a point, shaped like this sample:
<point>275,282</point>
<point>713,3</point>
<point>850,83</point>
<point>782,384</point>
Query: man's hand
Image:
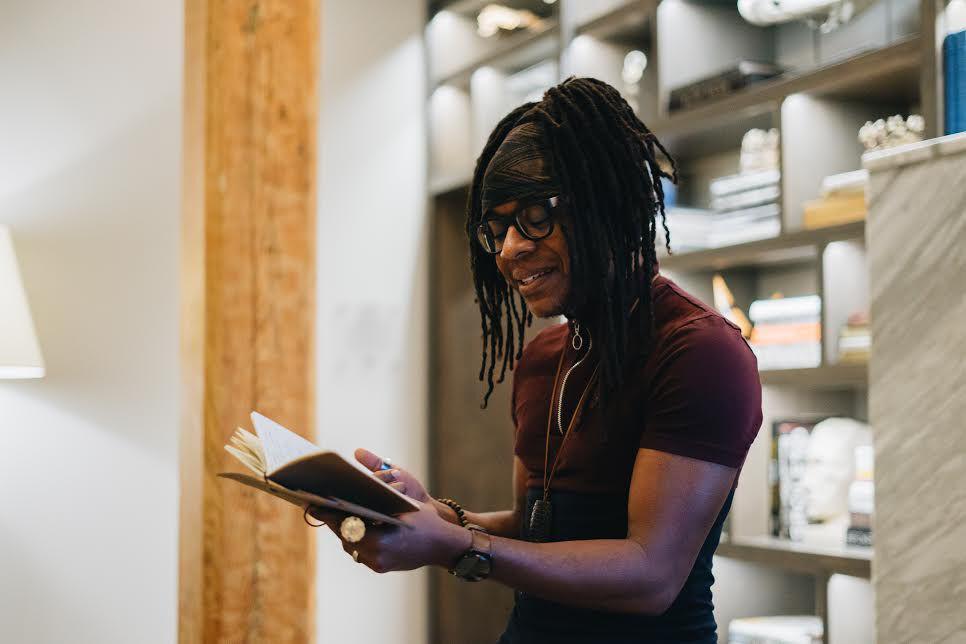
<point>425,540</point>
<point>397,477</point>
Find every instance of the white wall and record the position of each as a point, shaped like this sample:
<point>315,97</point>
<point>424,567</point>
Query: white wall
<point>372,286</point>
<point>90,170</point>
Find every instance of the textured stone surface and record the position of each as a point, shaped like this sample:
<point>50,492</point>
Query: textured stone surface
<point>917,264</point>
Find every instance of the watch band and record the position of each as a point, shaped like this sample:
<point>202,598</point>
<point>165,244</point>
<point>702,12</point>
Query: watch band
<point>475,564</point>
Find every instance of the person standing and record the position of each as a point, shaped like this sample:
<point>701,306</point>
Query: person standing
<point>632,419</point>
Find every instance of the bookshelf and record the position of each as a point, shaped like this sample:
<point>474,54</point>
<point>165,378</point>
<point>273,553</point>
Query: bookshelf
<point>884,63</point>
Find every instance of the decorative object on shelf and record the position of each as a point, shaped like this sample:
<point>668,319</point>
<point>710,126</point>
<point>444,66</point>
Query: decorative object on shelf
<point>824,15</point>
<point>743,74</point>
<point>20,355</point>
<point>842,202</point>
<point>862,498</point>
<point>787,332</point>
<point>855,341</point>
<point>776,629</point>
<point>813,467</point>
<point>496,17</point>
<point>891,132</point>
<point>759,150</point>
<point>724,301</point>
<point>954,75</point>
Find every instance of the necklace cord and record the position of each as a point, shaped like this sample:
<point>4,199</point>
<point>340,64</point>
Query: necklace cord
<point>580,404</point>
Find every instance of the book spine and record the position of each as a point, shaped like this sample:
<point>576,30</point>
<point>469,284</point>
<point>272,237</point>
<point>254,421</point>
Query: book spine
<point>954,68</point>
<point>786,333</point>
<point>859,537</point>
<point>801,355</point>
<point>754,197</point>
<point>785,308</point>
<point>740,182</point>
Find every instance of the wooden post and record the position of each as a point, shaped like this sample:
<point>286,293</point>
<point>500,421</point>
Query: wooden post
<point>247,562</point>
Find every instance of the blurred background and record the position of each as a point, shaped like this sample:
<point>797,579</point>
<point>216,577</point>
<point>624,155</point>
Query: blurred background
<point>208,208</point>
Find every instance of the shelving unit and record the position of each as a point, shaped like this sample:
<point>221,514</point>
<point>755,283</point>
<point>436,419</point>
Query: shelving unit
<point>883,63</point>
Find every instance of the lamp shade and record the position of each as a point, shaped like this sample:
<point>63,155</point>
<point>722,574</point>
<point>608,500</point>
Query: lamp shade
<point>19,351</point>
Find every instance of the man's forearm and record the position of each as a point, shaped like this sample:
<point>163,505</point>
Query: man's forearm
<point>603,574</point>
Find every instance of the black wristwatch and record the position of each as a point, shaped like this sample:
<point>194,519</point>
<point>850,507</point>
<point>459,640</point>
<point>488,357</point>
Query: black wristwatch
<point>475,563</point>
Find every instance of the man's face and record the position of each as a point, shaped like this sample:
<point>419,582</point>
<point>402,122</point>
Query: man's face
<point>539,270</point>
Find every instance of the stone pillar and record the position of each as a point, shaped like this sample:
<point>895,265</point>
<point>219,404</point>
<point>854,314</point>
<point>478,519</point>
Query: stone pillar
<point>917,388</point>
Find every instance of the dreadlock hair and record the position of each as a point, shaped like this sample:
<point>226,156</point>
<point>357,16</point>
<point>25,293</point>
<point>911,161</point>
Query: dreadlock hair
<point>604,159</point>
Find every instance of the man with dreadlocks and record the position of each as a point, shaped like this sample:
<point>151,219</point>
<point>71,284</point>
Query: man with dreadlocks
<point>632,419</point>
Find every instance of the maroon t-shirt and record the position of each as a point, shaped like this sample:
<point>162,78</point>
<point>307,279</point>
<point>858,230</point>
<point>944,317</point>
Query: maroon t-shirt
<point>697,394</point>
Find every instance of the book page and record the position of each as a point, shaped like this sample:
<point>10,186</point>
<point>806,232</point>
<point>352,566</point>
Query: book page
<point>279,444</point>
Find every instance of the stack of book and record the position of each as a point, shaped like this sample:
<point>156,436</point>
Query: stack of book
<point>776,629</point>
<point>744,207</point>
<point>842,202</point>
<point>954,72</point>
<point>786,474</point>
<point>855,341</point>
<point>787,332</point>
<point>861,498</point>
<point>690,228</point>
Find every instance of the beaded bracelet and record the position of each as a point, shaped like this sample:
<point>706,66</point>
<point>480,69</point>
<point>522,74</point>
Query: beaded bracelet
<point>457,508</point>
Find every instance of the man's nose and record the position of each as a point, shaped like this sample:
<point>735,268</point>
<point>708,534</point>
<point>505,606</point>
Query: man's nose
<point>516,245</point>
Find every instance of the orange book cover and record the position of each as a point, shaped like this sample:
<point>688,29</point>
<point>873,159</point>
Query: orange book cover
<point>791,333</point>
<point>834,210</point>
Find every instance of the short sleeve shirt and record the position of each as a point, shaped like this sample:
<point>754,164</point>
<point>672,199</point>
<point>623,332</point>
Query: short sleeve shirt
<point>697,394</point>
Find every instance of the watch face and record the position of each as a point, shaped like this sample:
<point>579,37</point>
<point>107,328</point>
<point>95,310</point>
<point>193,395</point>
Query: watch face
<point>467,565</point>
<point>474,566</point>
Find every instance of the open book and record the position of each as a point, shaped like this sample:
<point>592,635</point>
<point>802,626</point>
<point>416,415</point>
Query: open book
<point>291,468</point>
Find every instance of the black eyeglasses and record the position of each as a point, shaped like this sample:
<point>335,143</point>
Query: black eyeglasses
<point>534,220</point>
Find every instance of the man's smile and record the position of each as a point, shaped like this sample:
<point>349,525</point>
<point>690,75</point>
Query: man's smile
<point>530,281</point>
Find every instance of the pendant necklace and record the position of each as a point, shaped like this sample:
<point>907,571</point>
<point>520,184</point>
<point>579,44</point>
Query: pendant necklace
<point>540,515</point>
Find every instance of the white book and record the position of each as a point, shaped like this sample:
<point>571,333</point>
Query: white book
<point>845,183</point>
<point>806,306</point>
<point>743,181</point>
<point>767,194</point>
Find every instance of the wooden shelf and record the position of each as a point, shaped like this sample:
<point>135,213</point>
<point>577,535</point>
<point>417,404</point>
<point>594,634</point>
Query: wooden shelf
<point>517,50</point>
<point>883,74</point>
<point>796,246</point>
<point>818,378</point>
<point>799,557</point>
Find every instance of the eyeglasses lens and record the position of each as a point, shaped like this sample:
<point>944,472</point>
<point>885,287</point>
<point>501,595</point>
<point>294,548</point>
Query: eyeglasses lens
<point>535,221</point>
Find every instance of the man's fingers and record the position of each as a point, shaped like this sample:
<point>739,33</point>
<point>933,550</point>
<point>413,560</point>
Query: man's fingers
<point>386,476</point>
<point>399,485</point>
<point>367,458</point>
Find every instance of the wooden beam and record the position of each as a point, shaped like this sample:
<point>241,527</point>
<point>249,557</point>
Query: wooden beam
<point>247,291</point>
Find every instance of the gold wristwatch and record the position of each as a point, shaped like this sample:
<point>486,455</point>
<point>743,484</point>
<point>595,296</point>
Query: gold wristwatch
<point>475,563</point>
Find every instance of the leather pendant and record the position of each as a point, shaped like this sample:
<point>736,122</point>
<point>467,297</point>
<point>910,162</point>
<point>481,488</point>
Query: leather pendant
<point>539,529</point>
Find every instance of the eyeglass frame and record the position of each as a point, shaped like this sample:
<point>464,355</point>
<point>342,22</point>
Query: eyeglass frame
<point>555,203</point>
